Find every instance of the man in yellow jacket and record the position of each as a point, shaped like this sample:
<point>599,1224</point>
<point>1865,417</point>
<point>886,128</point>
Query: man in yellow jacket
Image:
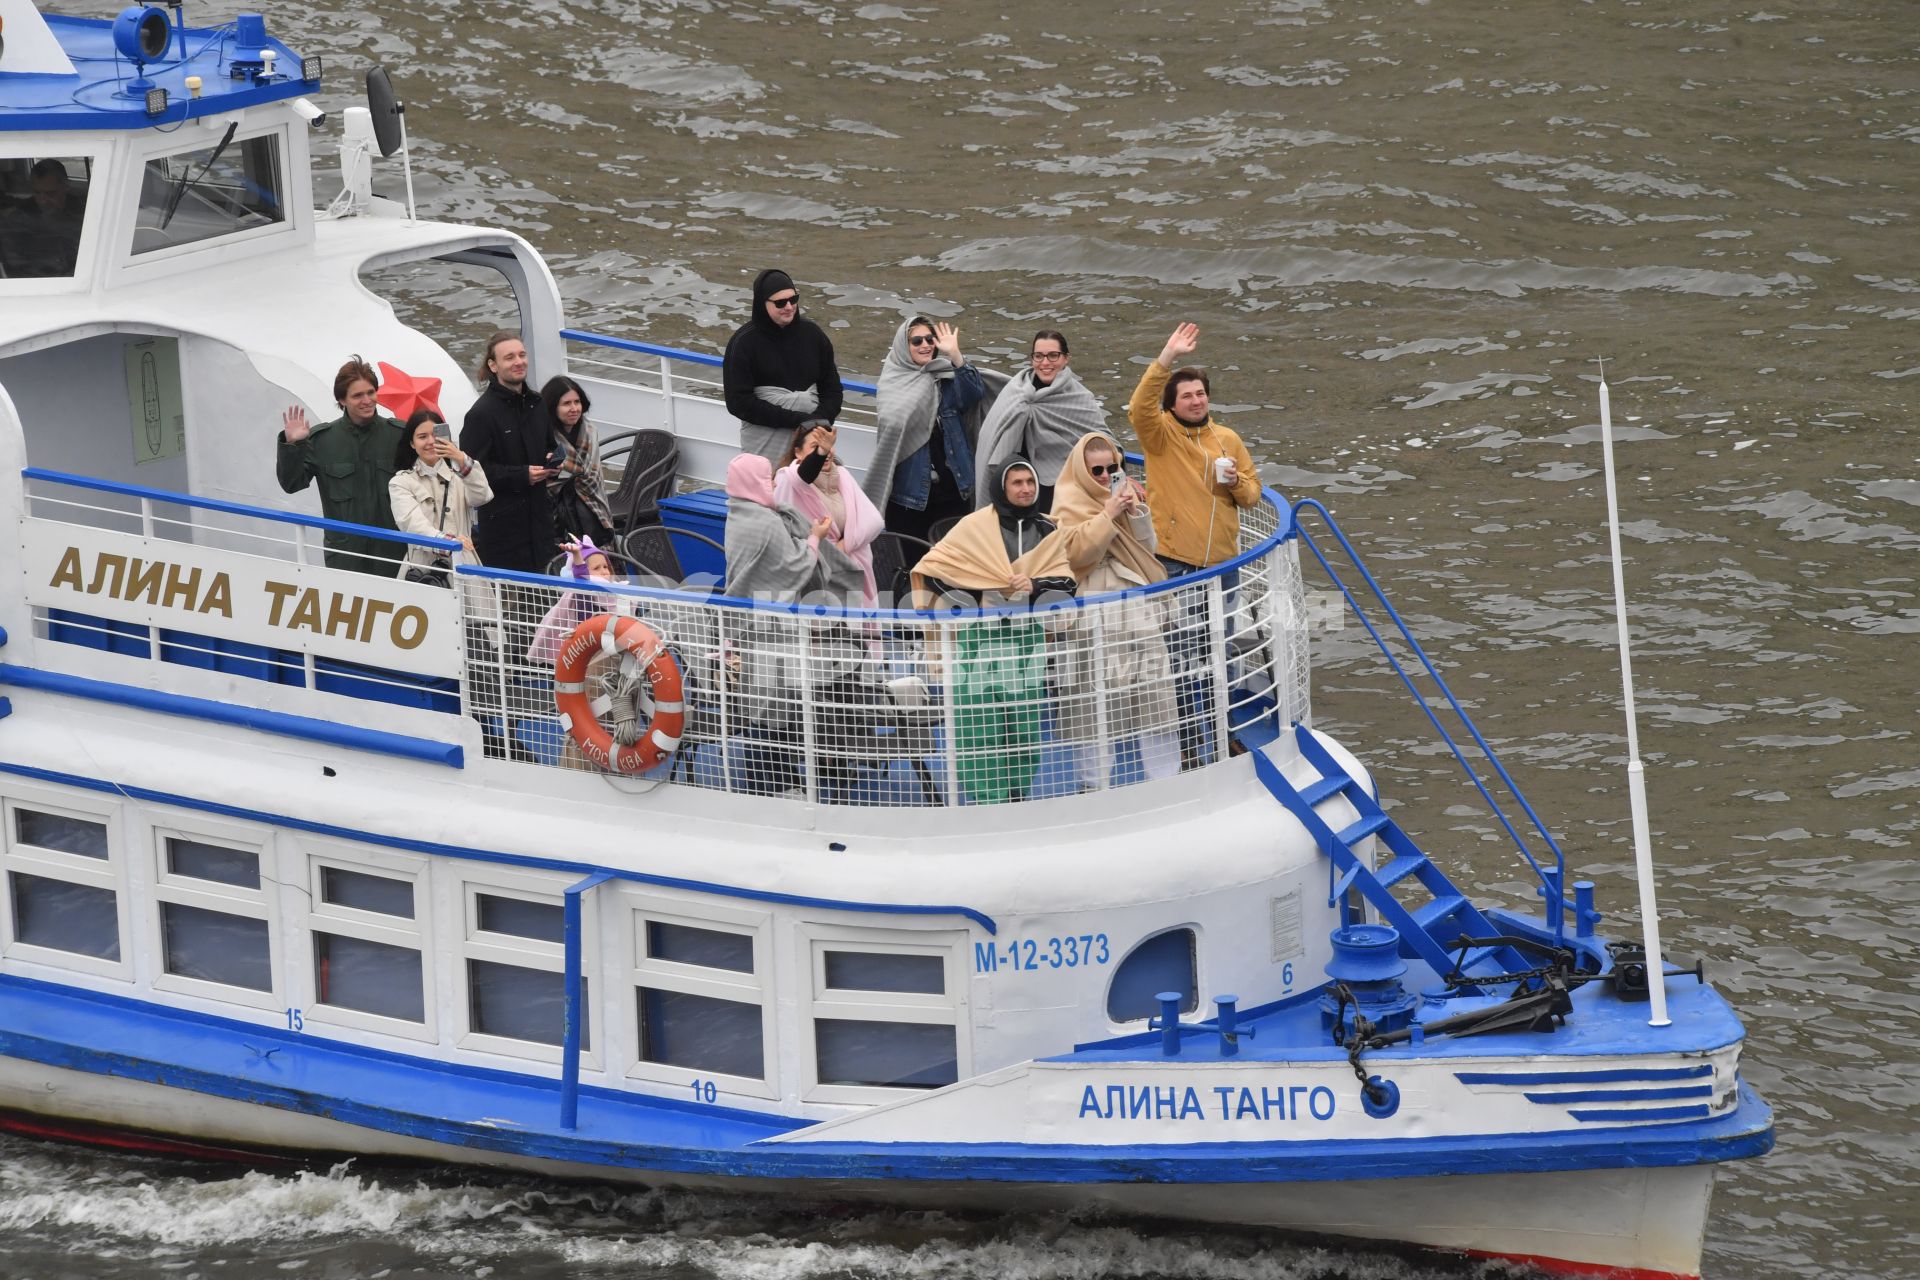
<point>1199,474</point>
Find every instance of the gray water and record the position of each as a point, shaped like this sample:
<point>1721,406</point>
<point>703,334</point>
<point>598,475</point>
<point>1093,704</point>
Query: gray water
<point>1406,231</point>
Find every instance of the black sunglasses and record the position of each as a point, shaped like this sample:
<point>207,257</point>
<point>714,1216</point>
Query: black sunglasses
<point>784,303</point>
<point>922,341</point>
<point>1101,473</point>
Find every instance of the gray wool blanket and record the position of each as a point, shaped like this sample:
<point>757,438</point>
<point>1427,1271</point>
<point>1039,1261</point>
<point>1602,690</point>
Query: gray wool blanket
<point>1040,423</point>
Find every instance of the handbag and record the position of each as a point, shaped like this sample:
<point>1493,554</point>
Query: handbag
<point>435,574</point>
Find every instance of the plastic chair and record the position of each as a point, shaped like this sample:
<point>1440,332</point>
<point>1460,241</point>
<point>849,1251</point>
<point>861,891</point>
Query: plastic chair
<point>649,462</point>
<point>650,548</point>
<point>941,528</point>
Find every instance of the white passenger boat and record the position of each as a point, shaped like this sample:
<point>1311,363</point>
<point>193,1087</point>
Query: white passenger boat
<point>268,890</point>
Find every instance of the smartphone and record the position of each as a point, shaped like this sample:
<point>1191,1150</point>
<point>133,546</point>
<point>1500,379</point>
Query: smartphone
<point>441,431</point>
<point>1120,484</point>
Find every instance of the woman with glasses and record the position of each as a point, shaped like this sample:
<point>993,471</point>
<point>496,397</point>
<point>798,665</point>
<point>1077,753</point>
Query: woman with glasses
<point>929,404</point>
<point>1107,532</point>
<point>779,369</point>
<point>1039,415</point>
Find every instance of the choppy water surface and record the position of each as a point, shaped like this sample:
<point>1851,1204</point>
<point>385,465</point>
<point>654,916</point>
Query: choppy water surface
<point>1406,231</point>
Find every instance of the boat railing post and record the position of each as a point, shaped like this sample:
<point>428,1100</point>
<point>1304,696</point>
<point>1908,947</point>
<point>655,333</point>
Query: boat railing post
<point>949,719</point>
<point>809,714</point>
<point>668,411</point>
<point>570,1037</point>
<point>726,706</point>
<point>1217,644</point>
<point>146,518</point>
<point>1102,745</point>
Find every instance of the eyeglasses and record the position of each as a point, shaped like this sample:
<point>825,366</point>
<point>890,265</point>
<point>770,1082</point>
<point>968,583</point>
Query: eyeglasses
<point>923,340</point>
<point>1101,473</point>
<point>1049,356</point>
<point>791,300</point>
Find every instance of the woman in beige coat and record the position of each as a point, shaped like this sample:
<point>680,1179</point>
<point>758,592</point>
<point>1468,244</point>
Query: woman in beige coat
<point>1108,534</point>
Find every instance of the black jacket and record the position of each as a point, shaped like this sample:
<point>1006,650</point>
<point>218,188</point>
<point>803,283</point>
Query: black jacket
<point>764,354</point>
<point>506,432</point>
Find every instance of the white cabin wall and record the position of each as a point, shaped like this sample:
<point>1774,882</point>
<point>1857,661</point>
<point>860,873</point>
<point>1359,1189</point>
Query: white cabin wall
<point>75,413</point>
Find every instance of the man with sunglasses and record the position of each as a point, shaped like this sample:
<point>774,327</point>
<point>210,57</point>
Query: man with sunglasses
<point>779,369</point>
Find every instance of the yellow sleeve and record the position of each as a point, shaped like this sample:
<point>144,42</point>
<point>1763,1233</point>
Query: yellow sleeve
<point>1144,412</point>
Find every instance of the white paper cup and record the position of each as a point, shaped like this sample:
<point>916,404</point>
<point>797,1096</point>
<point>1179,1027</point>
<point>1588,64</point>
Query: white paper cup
<point>1220,468</point>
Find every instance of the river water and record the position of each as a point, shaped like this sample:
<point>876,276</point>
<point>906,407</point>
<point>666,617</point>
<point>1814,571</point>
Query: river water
<point>1407,231</point>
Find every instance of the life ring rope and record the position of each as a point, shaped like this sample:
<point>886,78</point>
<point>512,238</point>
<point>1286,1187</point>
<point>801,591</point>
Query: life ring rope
<point>611,635</point>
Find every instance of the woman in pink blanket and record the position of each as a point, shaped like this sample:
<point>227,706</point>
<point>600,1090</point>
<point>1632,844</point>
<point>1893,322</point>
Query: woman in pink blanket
<point>811,482</point>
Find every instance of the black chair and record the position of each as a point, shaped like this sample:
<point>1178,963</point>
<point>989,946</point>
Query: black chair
<point>649,465</point>
<point>894,554</point>
<point>941,528</point>
<point>650,548</point>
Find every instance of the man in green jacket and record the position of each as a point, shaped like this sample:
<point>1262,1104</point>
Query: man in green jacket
<point>353,458</point>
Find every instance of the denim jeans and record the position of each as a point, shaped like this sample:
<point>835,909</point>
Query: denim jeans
<point>1190,652</point>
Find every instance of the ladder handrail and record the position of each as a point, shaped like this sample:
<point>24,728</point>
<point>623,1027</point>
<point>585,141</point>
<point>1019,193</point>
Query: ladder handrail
<point>1551,884</point>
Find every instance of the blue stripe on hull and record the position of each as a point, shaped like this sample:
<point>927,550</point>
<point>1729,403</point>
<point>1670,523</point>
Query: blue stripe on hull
<point>247,1062</point>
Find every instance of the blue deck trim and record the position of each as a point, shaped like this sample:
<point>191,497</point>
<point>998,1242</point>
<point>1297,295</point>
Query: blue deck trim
<point>433,848</point>
<point>1605,1076</point>
<point>1622,1095</point>
<point>307,728</point>
<point>255,1063</point>
<point>1627,1115</point>
<point>232,508</point>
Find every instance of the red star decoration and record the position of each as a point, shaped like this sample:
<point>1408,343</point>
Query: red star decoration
<point>402,394</point>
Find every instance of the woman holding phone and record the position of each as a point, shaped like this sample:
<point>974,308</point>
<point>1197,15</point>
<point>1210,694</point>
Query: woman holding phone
<point>435,490</point>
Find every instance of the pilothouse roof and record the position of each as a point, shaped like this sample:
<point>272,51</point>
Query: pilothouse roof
<point>66,73</point>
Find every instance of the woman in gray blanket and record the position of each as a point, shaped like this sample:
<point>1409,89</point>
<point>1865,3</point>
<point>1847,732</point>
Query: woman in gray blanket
<point>1040,415</point>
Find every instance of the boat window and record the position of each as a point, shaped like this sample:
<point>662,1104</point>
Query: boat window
<point>708,948</point>
<point>63,887</point>
<point>370,953</point>
<point>209,191</point>
<point>1163,962</point>
<point>701,1033</point>
<point>43,203</point>
<point>365,892</point>
<point>216,922</point>
<point>65,916</point>
<point>368,977</point>
<point>515,968</point>
<point>61,832</point>
<point>884,1011</point>
<point>702,996</point>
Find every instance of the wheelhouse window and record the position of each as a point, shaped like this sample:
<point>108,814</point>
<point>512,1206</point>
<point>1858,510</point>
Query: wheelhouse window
<point>43,206</point>
<point>216,922</point>
<point>886,1013</point>
<point>63,893</point>
<point>702,993</point>
<point>215,190</point>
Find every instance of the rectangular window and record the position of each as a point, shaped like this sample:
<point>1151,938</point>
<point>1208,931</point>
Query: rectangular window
<point>524,1004</point>
<point>60,832</point>
<point>215,190</point>
<point>214,946</point>
<point>197,860</point>
<point>518,918</point>
<point>62,876</point>
<point>65,916</point>
<point>44,199</point>
<point>887,1012</point>
<point>701,1033</point>
<point>368,977</point>
<point>704,995</point>
<point>898,1055</point>
<point>363,891</point>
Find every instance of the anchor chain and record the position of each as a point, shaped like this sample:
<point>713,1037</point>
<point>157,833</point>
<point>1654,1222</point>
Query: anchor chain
<point>1363,1030</point>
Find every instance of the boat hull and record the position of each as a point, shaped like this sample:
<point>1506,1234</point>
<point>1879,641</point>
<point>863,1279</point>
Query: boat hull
<point>1633,1221</point>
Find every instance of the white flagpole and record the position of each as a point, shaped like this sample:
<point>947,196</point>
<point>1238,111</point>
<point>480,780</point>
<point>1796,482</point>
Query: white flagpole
<point>1636,772</point>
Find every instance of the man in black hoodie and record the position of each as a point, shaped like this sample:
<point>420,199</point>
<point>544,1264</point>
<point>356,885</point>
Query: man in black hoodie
<point>779,370</point>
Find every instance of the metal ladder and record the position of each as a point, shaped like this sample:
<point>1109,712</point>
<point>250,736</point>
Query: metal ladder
<point>1426,931</point>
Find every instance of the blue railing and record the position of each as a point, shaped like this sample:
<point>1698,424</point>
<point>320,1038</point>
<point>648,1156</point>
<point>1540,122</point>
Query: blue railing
<point>1551,881</point>
<point>675,353</point>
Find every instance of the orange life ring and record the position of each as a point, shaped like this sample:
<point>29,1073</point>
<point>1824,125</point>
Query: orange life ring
<point>607,633</point>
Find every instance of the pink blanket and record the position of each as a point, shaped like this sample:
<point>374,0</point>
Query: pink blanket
<point>863,521</point>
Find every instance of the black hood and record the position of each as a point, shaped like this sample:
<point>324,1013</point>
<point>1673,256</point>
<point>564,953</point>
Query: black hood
<point>769,282</point>
<point>997,492</point>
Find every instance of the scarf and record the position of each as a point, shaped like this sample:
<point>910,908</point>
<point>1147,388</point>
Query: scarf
<point>858,527</point>
<point>1079,508</point>
<point>750,477</point>
<point>907,405</point>
<point>1041,423</point>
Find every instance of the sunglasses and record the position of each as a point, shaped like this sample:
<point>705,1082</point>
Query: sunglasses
<point>784,303</point>
<point>922,341</point>
<point>1101,473</point>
